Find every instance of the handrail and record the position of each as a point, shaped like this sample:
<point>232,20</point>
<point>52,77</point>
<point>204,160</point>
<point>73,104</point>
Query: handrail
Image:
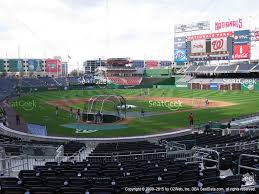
<point>175,144</point>
<point>239,144</point>
<point>126,155</point>
<point>60,151</point>
<point>204,150</point>
<point>23,144</point>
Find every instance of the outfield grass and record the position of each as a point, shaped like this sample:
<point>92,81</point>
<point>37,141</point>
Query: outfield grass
<point>42,113</point>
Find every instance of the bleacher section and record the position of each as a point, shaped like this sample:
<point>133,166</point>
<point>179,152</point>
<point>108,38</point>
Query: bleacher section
<point>209,140</point>
<point>233,68</point>
<point>51,81</point>
<point>255,69</point>
<point>7,87</point>
<point>126,148</point>
<point>185,79</point>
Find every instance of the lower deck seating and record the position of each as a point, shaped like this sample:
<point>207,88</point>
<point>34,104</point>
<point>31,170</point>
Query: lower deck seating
<point>114,177</point>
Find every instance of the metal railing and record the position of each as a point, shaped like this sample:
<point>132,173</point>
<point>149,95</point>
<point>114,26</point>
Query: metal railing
<point>59,151</point>
<point>8,165</point>
<point>174,145</point>
<point>252,145</point>
<point>202,153</point>
<point>123,157</point>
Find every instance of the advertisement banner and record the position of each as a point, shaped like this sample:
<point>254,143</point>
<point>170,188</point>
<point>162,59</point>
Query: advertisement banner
<point>212,35</point>
<point>219,44</point>
<point>241,37</point>
<point>214,86</point>
<point>179,42</point>
<point>36,129</point>
<point>195,26</point>
<point>198,46</point>
<point>181,85</point>
<point>209,58</point>
<point>165,63</point>
<point>241,51</point>
<point>52,65</point>
<point>15,65</point>
<point>180,55</point>
<point>34,65</point>
<point>198,26</point>
<point>180,28</point>
<point>2,69</point>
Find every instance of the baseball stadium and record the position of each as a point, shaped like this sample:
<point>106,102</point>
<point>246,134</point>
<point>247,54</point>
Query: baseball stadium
<point>189,124</point>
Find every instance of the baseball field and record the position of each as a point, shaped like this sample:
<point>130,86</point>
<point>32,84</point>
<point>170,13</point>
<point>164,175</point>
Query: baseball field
<point>165,110</point>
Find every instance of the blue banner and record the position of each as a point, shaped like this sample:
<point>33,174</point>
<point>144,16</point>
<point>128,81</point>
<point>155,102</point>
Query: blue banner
<point>180,55</point>
<point>242,37</point>
<point>36,129</point>
<point>179,42</point>
<point>214,86</point>
<point>138,63</point>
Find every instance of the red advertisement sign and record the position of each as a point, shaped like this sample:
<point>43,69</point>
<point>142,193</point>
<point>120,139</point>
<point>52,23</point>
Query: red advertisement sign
<point>212,35</point>
<point>229,24</point>
<point>151,63</point>
<point>241,51</point>
<point>53,65</point>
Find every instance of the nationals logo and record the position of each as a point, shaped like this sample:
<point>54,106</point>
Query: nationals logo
<point>180,56</point>
<point>217,44</point>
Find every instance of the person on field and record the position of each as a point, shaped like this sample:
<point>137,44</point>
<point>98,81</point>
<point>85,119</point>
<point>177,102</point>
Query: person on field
<point>98,117</point>
<point>190,118</point>
<point>78,115</point>
<point>206,102</point>
<point>18,121</point>
<point>71,112</point>
<point>142,112</point>
<point>56,110</point>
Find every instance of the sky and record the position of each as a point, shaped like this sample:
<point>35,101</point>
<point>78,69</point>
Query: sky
<point>90,29</point>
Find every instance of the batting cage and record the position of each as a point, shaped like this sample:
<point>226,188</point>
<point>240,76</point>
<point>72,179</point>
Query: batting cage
<point>105,109</point>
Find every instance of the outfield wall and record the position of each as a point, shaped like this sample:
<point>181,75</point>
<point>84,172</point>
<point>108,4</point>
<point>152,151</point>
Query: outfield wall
<point>225,87</point>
